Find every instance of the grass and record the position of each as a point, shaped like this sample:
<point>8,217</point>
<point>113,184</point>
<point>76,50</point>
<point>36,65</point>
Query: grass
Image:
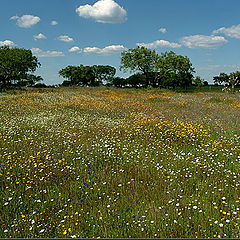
<point>108,163</point>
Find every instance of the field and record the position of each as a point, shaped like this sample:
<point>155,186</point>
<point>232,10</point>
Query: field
<point>108,163</point>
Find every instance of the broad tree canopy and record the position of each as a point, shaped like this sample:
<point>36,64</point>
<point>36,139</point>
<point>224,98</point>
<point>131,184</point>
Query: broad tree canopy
<point>140,59</point>
<point>167,69</point>
<point>88,75</point>
<point>15,63</point>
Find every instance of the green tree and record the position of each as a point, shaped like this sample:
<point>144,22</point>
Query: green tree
<point>119,82</point>
<point>222,78</point>
<point>103,73</point>
<point>198,81</point>
<point>231,81</point>
<point>15,65</point>
<point>87,75</point>
<point>136,80</point>
<point>140,59</point>
<point>174,70</point>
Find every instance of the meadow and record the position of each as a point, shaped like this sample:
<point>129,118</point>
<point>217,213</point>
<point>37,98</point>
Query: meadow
<point>119,163</point>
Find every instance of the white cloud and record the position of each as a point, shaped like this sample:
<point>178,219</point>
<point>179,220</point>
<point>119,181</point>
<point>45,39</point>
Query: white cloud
<point>75,49</point>
<point>40,53</point>
<point>114,49</point>
<point>162,30</point>
<point>8,43</point>
<point>204,41</point>
<point>39,36</point>
<point>26,21</point>
<point>159,43</point>
<point>54,23</point>
<point>103,11</point>
<point>65,38</point>
<point>233,32</point>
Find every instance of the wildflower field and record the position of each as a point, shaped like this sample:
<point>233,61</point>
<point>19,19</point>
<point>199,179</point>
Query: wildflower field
<point>108,163</point>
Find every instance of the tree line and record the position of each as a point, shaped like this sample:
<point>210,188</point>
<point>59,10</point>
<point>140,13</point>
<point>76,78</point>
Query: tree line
<point>167,70</point>
<point>149,69</point>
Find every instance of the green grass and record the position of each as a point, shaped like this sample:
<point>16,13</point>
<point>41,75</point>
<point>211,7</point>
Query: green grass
<point>119,163</point>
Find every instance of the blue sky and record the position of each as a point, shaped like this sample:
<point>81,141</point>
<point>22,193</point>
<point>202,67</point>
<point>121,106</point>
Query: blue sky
<point>74,32</point>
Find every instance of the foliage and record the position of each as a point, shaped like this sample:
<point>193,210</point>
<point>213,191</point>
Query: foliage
<point>15,63</point>
<point>174,70</point>
<point>231,81</point>
<point>140,59</point>
<point>87,75</point>
<point>166,70</point>
<point>198,81</point>
<point>136,80</point>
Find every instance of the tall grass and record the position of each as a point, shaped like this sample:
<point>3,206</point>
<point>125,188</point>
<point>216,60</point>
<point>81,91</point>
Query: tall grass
<point>96,162</point>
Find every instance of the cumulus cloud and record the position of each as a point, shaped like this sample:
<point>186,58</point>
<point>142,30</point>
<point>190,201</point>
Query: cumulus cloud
<point>103,11</point>
<point>7,43</point>
<point>75,49</point>
<point>203,41</point>
<point>159,43</point>
<point>162,30</point>
<point>65,38</point>
<point>39,36</point>
<point>114,49</point>
<point>54,23</point>
<point>40,53</point>
<point>233,32</point>
<point>26,21</point>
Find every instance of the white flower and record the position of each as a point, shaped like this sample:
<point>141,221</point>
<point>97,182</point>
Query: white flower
<point>108,206</point>
<point>6,203</point>
<point>220,225</point>
<point>5,230</point>
<point>194,207</point>
<point>42,230</point>
<point>228,221</point>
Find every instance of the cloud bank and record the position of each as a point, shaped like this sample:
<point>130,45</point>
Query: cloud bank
<point>65,38</point>
<point>39,36</point>
<point>26,21</point>
<point>7,43</point>
<point>159,43</point>
<point>40,53</point>
<point>196,41</point>
<point>103,11</point>
<point>233,32</point>
<point>109,50</point>
<point>75,49</point>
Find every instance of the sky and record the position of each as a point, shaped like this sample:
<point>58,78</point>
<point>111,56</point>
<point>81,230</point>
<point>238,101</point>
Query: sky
<point>89,32</point>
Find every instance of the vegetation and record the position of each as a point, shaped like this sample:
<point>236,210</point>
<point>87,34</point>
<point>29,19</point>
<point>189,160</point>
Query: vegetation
<point>167,70</point>
<point>119,163</point>
<point>15,65</point>
<point>87,75</point>
<point>231,81</point>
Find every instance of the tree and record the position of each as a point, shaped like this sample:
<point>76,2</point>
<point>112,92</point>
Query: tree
<point>119,82</point>
<point>136,80</point>
<point>230,81</point>
<point>198,81</point>
<point>15,63</point>
<point>103,73</point>
<point>222,78</point>
<point>174,70</point>
<point>87,75</point>
<point>140,59</point>
<point>234,80</point>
